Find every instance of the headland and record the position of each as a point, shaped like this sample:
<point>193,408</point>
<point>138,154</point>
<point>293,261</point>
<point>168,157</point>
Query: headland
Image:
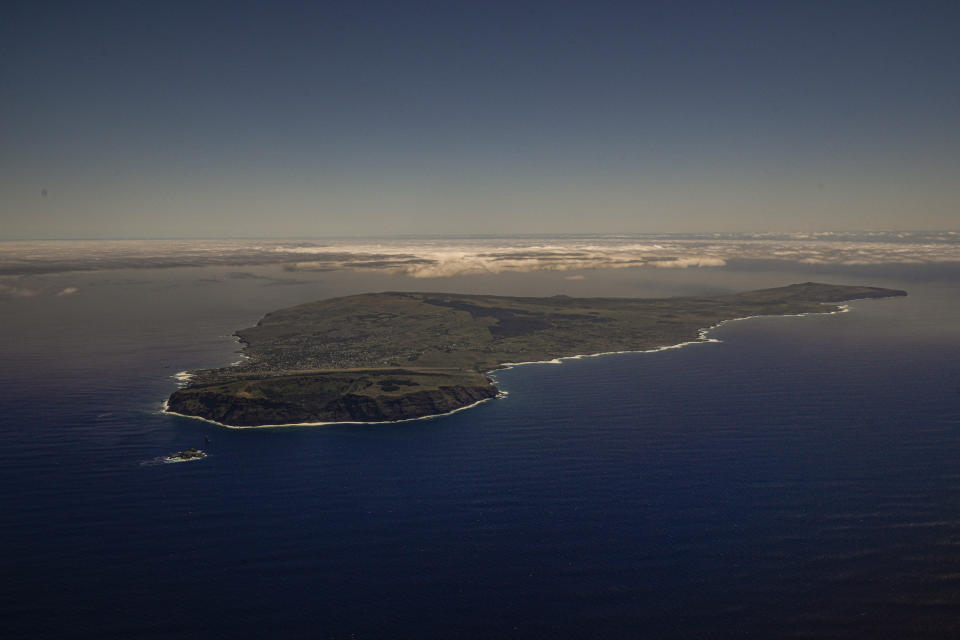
<point>385,357</point>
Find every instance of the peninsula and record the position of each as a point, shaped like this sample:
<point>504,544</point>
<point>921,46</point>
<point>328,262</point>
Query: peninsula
<point>395,356</point>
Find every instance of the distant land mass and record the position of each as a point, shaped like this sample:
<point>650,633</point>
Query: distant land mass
<point>391,356</point>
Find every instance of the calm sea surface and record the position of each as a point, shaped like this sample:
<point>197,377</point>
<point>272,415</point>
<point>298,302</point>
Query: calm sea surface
<point>799,479</point>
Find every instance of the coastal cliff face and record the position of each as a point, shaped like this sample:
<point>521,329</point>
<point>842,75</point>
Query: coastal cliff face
<point>368,397</point>
<point>395,356</point>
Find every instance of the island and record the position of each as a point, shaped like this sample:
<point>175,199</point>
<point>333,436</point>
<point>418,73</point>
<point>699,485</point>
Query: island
<point>187,455</point>
<point>392,356</point>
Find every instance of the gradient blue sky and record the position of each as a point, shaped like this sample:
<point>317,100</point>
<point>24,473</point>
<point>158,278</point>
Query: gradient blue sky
<point>284,119</point>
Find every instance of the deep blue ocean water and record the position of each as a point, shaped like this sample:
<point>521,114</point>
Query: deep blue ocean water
<point>799,479</point>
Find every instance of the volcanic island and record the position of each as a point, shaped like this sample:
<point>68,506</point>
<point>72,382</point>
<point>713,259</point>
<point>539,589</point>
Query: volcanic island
<point>383,357</point>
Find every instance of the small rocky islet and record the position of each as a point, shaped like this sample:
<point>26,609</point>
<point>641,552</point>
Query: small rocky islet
<point>187,455</point>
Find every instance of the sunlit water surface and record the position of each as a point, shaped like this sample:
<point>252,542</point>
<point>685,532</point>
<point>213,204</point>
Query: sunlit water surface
<point>801,478</point>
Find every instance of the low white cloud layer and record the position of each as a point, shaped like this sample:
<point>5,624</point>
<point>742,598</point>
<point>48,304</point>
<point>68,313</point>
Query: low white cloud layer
<point>445,257</point>
<point>12,289</point>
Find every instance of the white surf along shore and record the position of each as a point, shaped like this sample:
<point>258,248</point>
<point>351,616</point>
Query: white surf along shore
<point>703,337</point>
<point>166,411</point>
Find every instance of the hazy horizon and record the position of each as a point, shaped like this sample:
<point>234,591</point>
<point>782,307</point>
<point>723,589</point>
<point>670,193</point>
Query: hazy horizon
<point>822,232</point>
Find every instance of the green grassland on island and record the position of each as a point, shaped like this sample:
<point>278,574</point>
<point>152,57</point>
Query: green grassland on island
<point>394,356</point>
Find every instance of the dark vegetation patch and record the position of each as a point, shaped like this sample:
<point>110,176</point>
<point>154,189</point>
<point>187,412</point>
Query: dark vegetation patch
<point>509,322</point>
<point>392,384</point>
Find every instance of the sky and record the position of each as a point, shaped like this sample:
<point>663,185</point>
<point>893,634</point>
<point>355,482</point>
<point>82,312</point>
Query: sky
<point>316,119</point>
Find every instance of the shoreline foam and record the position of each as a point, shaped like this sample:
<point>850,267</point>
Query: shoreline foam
<point>703,337</point>
<point>183,378</point>
<point>165,411</point>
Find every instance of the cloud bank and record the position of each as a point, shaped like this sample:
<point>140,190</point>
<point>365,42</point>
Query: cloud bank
<point>444,257</point>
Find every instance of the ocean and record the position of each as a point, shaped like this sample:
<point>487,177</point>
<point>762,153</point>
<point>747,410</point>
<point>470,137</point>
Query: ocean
<point>800,478</point>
